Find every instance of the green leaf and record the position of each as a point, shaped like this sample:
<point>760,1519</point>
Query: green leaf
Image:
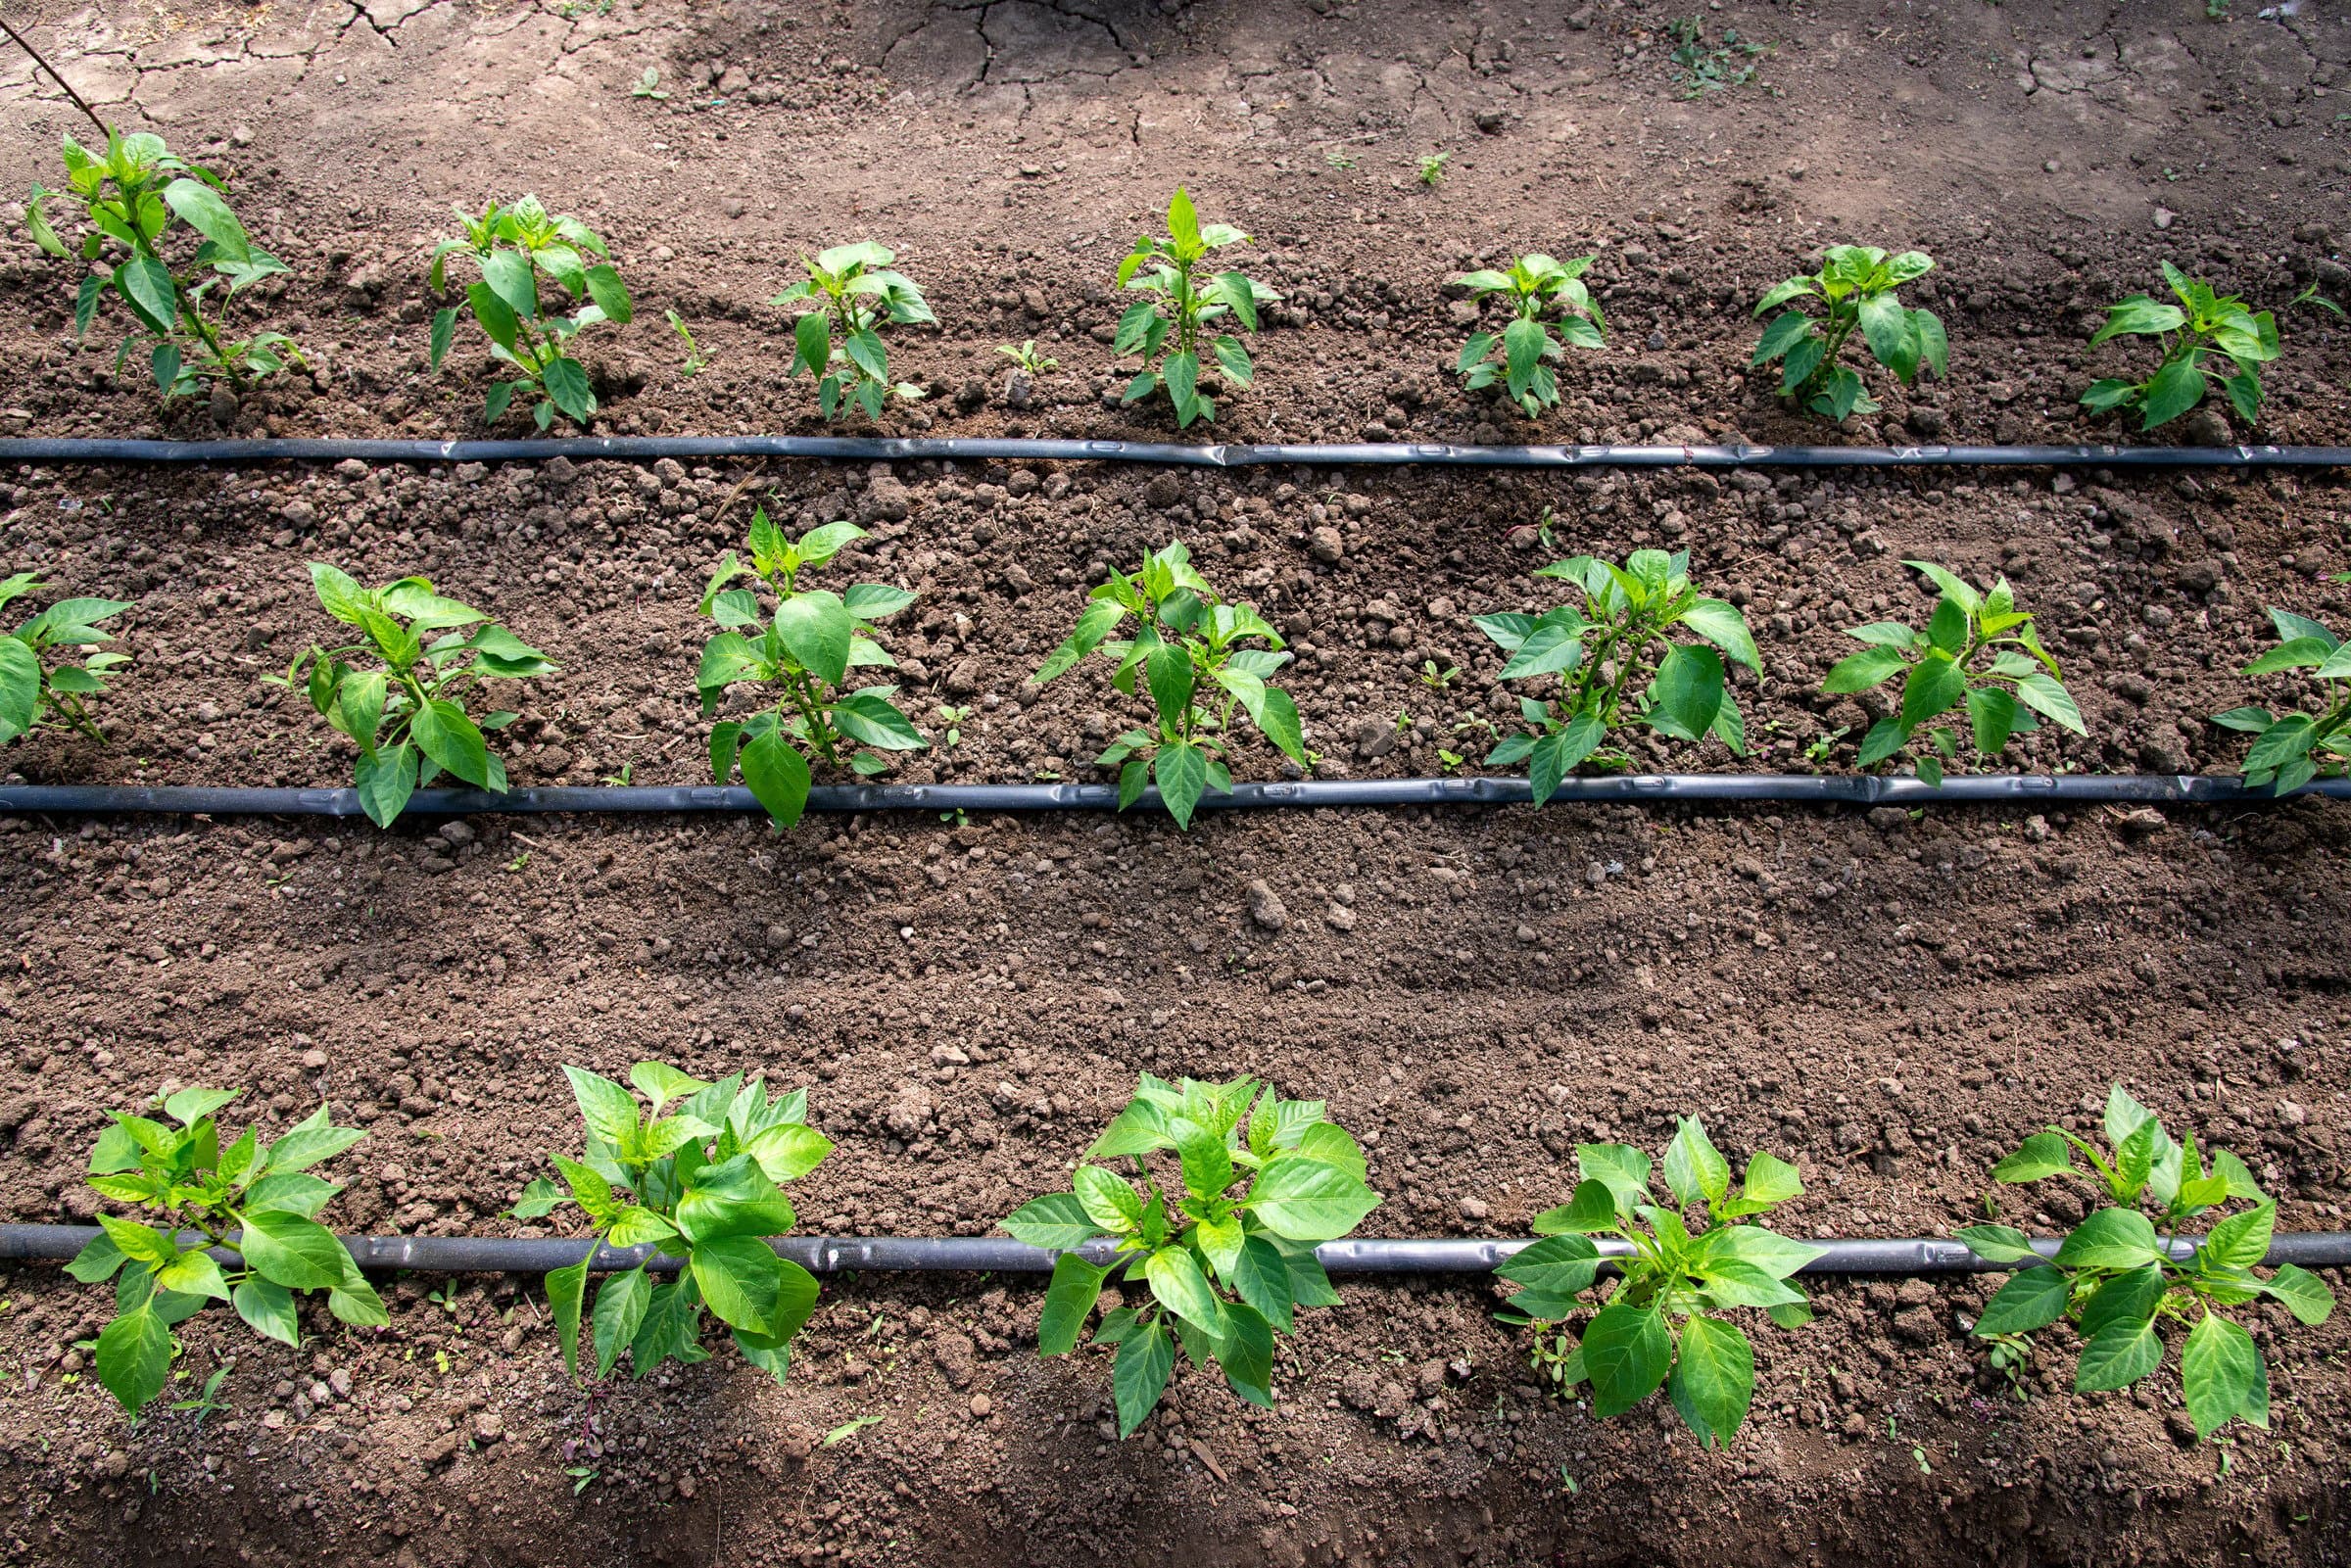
<point>2126,1298</point>
<point>777,776</point>
<point>2111,1238</point>
<point>1140,1374</point>
<point>1175,1279</point>
<point>1306,1200</point>
<point>1552,1273</point>
<point>1721,624</point>
<point>1621,1169</point>
<point>566,382</point>
<point>1770,1179</point>
<point>1069,1301</point>
<point>1182,772</point>
<point>2241,1241</point>
<point>269,1308</point>
<point>611,295</point>
<point>146,286</point>
<point>1786,331</point>
<point>291,1250</point>
<point>816,627</point>
<point>565,1289</point>
<point>442,733</point>
<point>2044,1154</point>
<point>1262,1276</point>
<point>97,1261</point>
<point>1627,1352</point>
<point>608,1110</point>
<point>1693,1167</point>
<point>1714,1379</point>
<point>2118,1355</point>
<point>744,1282</point>
<point>135,1355</point>
<point>621,1306</point>
<point>1057,1221</point>
<point>1246,1355</point>
<point>307,1142</point>
<point>1997,1244</point>
<point>2222,1375</point>
<point>2304,1294</point>
<point>2047,696</point>
<point>2175,388</point>
<point>2033,1298</point>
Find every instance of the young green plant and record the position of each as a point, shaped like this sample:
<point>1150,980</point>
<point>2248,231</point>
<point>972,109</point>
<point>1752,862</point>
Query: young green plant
<point>1181,301</point>
<point>799,662</point>
<point>1978,652</point>
<point>1855,287</point>
<point>1028,356</point>
<point>701,1184</point>
<point>2202,331</point>
<point>1663,1323</point>
<point>2292,748</point>
<point>514,246</point>
<point>260,1200</point>
<point>409,718</point>
<point>1187,652</point>
<point>132,195</point>
<point>33,690</point>
<point>1534,286</point>
<point>1610,671</point>
<point>1222,1271</point>
<point>852,293</point>
<point>2123,1273</point>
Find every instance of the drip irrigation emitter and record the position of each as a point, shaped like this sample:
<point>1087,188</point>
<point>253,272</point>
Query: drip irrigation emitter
<point>2035,790</point>
<point>1895,1256</point>
<point>963,449</point>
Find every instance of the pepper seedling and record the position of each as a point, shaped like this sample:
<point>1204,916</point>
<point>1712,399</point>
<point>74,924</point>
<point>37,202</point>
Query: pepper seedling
<point>515,246</point>
<point>409,718</point>
<point>1941,672</point>
<point>2292,749</point>
<point>2203,327</point>
<point>853,294</point>
<point>1188,647</point>
<point>2120,1276</point>
<point>1181,300</point>
<point>1533,286</point>
<point>811,641</point>
<point>1606,656</point>
<point>701,1184</point>
<point>1223,1273</point>
<point>261,1200</point>
<point>131,196</point>
<point>1856,285</point>
<point>33,690</point>
<point>1663,1323</point>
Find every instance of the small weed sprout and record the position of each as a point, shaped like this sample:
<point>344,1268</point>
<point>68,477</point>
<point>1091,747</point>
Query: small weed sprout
<point>1663,1323</point>
<point>1712,70</point>
<point>852,293</point>
<point>1180,302</point>
<point>258,1198</point>
<point>2119,1275</point>
<point>1941,672</point>
<point>1601,654</point>
<point>409,718</point>
<point>1186,653</point>
<point>33,690</point>
<point>1223,1271</point>
<point>799,661</point>
<point>514,246</point>
<point>1028,357</point>
<point>2292,748</point>
<point>1856,285</point>
<point>2203,328</point>
<point>132,195</point>
<point>703,1184</point>
<point>695,361</point>
<point>1431,171</point>
<point>1534,286</point>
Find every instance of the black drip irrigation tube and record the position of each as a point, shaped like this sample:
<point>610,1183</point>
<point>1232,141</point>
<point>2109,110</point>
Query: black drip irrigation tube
<point>1392,454</point>
<point>1845,790</point>
<point>837,1254</point>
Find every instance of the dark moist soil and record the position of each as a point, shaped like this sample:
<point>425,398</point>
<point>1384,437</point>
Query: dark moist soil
<point>1891,1002</point>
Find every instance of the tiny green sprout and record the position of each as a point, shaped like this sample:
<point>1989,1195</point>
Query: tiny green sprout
<point>954,718</point>
<point>581,1475</point>
<point>1220,1273</point>
<point>1979,654</point>
<point>1533,287</point>
<point>1336,159</point>
<point>1187,648</point>
<point>648,85</point>
<point>1821,746</point>
<point>1437,680</point>
<point>799,665</point>
<point>134,195</point>
<point>1028,357</point>
<point>2312,296</point>
<point>514,246</point>
<point>1432,169</point>
<point>1664,1319</point>
<point>849,1428</point>
<point>1600,654</point>
<point>2292,748</point>
<point>701,1184</point>
<point>1855,284</point>
<point>258,1198</point>
<point>1712,70</point>
<point>1450,760</point>
<point>1180,300</point>
<point>409,718</point>
<point>2204,329</point>
<point>851,293</point>
<point>208,1400</point>
<point>695,361</point>
<point>628,770</point>
<point>34,691</point>
<point>519,861</point>
<point>2122,1275</point>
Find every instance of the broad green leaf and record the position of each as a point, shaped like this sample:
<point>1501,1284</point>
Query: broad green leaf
<point>1623,1169</point>
<point>1714,1379</point>
<point>742,1280</point>
<point>1182,772</point>
<point>1069,1301</point>
<point>1057,1221</point>
<point>1997,1244</point>
<point>135,1355</point>
<point>2222,1375</point>
<point>1175,1279</point>
<point>2043,1155</point>
<point>2111,1238</point>
<point>565,1287</point>
<point>290,1250</point>
<point>816,627</point>
<point>2304,1294</point>
<point>1687,694</point>
<point>269,1310</point>
<point>1262,1276</point>
<point>621,1304</point>
<point>2033,1298</point>
<point>1246,1355</point>
<point>2118,1355</point>
<point>1627,1352</point>
<point>1693,1167</point>
<point>1770,1179</point>
<point>1306,1200</point>
<point>777,776</point>
<point>1140,1374</point>
<point>609,1110</point>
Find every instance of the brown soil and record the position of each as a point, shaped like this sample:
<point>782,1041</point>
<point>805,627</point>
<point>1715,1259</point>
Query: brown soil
<point>1891,1002</point>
